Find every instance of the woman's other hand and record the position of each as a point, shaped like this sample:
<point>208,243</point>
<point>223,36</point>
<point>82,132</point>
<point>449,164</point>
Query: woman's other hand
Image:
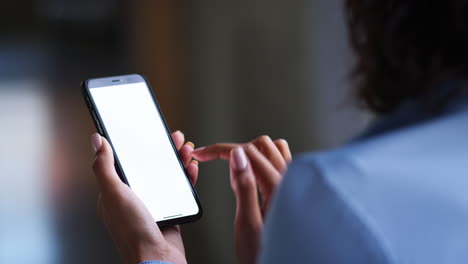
<point>261,163</point>
<point>132,227</point>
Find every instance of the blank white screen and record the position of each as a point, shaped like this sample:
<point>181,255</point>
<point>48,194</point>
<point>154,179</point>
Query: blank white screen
<point>146,155</point>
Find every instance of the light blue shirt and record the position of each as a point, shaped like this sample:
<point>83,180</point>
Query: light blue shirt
<point>397,194</point>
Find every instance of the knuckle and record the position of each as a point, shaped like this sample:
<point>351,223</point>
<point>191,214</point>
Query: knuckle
<point>184,150</point>
<point>264,139</point>
<point>178,132</point>
<point>282,141</point>
<point>275,180</point>
<point>247,182</point>
<point>100,164</point>
<point>250,147</point>
<point>97,164</point>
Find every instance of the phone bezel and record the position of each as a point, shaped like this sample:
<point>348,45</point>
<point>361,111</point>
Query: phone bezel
<point>127,79</point>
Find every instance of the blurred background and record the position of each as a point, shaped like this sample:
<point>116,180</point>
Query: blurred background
<point>225,70</point>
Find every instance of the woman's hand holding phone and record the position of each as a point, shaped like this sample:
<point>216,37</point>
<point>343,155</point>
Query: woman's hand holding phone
<point>261,163</point>
<point>133,229</point>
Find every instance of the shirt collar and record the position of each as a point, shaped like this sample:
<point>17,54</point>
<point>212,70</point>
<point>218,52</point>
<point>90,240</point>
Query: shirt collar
<point>448,97</point>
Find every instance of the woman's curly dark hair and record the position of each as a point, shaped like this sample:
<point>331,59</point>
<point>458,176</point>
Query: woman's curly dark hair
<point>405,47</point>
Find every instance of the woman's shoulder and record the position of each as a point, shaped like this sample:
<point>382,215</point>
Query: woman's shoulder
<point>308,208</point>
<point>425,143</point>
<point>315,165</point>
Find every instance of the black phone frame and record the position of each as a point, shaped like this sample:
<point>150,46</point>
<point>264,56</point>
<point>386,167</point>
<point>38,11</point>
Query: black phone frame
<point>102,130</point>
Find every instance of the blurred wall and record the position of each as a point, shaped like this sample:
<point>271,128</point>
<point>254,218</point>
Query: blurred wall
<point>250,72</point>
<point>264,67</point>
<point>335,113</point>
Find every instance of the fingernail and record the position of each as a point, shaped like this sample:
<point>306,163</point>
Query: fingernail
<point>96,141</point>
<point>239,159</point>
<point>200,149</point>
<point>195,162</point>
<point>190,144</point>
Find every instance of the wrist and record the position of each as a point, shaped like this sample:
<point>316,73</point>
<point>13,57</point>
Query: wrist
<point>146,252</point>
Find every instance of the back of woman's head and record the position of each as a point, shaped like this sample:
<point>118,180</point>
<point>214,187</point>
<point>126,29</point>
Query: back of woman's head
<point>405,47</point>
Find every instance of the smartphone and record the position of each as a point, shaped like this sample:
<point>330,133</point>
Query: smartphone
<point>126,113</point>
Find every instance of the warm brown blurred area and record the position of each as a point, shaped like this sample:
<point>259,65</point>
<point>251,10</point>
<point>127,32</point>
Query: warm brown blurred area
<point>222,71</point>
